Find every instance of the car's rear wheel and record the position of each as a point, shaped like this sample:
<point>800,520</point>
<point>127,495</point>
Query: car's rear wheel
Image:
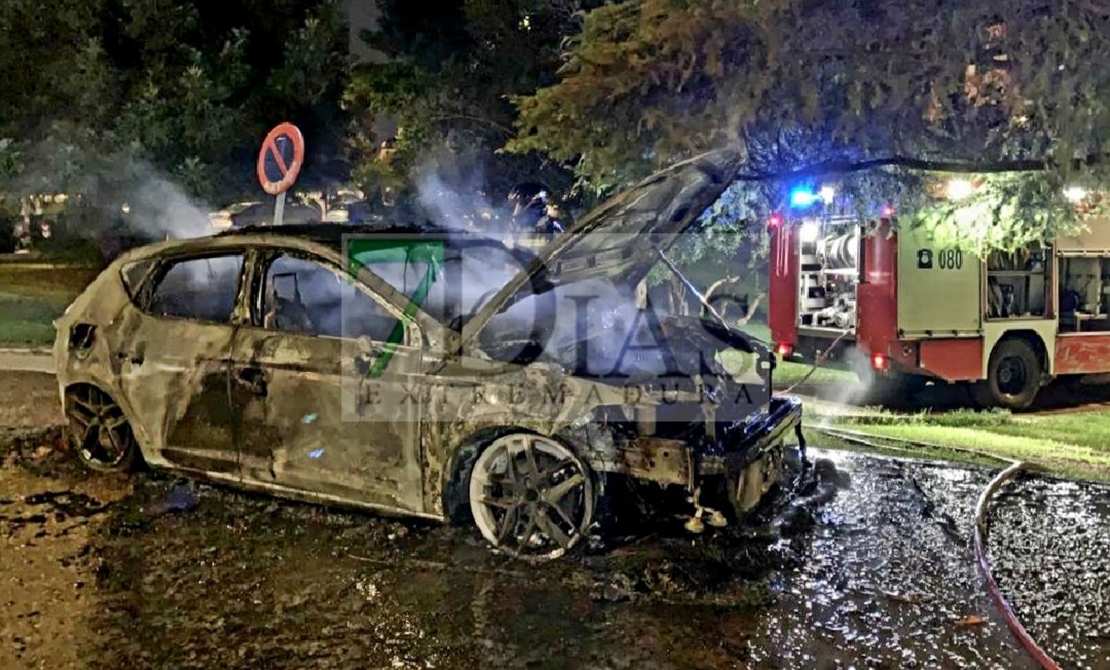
<point>99,432</point>
<point>531,496</point>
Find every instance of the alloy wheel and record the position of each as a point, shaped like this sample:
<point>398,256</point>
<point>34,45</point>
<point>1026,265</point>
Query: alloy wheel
<point>98,430</point>
<point>531,496</point>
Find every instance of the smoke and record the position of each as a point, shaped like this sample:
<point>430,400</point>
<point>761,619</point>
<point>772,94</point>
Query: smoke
<point>474,270</point>
<point>108,193</point>
<point>595,326</point>
<point>586,324</point>
<point>458,199</point>
<point>159,209</point>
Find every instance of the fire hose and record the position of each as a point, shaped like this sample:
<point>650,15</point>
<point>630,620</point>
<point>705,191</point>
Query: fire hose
<point>983,562</point>
<point>817,362</point>
<point>979,536</point>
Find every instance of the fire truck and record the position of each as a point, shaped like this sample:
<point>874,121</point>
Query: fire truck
<point>900,308</point>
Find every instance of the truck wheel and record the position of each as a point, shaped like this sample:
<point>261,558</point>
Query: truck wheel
<point>1013,377</point>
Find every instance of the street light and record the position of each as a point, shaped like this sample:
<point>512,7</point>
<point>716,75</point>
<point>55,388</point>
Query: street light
<point>1075,193</point>
<point>959,189</point>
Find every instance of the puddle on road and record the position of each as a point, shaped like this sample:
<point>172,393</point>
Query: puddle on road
<point>231,580</point>
<point>881,581</point>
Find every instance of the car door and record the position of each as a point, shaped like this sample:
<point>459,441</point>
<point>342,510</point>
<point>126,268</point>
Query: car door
<point>321,395</point>
<point>174,354</point>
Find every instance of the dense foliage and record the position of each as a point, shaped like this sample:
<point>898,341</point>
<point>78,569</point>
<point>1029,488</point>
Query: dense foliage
<point>105,92</point>
<point>452,66</point>
<point>822,85</point>
<point>882,101</point>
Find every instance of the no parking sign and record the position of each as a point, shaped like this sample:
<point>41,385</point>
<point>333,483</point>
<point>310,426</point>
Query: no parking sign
<point>279,163</point>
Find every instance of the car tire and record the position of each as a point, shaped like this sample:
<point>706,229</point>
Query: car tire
<point>98,431</point>
<point>531,496</point>
<point>1013,377</point>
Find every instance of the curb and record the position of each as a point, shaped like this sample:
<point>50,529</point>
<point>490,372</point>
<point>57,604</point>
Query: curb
<point>26,360</point>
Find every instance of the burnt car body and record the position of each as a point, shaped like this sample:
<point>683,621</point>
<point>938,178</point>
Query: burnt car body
<point>226,357</point>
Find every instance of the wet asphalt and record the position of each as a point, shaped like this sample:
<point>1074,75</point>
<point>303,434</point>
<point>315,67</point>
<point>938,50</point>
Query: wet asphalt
<point>1050,545</point>
<point>157,572</point>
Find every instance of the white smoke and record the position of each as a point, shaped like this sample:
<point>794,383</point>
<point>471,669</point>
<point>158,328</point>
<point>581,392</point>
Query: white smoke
<point>106,190</point>
<point>464,203</point>
<point>161,209</point>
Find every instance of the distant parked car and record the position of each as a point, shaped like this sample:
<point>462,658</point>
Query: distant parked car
<point>262,213</point>
<point>224,219</point>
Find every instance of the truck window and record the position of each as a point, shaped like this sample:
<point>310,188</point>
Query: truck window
<point>1084,293</point>
<point>1018,283</point>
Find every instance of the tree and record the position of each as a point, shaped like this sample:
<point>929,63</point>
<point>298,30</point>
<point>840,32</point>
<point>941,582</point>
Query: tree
<point>446,85</point>
<point>123,87</point>
<point>815,88</point>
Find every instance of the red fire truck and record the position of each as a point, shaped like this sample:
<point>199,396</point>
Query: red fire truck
<point>900,308</point>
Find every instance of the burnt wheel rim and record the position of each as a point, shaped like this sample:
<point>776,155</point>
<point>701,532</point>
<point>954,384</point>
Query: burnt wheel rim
<point>531,497</point>
<point>1013,376</point>
<point>98,429</point>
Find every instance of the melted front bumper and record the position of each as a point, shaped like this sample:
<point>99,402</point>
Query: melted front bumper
<point>734,447</point>
<point>740,444</point>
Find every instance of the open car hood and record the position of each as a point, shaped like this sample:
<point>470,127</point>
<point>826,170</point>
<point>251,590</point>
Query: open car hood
<point>620,240</point>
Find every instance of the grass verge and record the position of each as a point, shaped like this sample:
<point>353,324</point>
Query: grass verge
<point>32,295</point>
<point>1075,445</point>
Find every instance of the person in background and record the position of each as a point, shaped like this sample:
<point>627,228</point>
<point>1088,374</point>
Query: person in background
<point>536,220</point>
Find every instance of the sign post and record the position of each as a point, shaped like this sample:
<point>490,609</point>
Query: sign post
<point>279,164</point>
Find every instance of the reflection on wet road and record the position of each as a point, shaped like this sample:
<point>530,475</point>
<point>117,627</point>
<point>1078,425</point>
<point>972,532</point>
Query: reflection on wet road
<point>1050,543</point>
<point>884,579</point>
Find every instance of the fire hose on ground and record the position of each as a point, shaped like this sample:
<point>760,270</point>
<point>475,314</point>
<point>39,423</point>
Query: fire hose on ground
<point>980,532</point>
<point>982,509</point>
<point>817,362</point>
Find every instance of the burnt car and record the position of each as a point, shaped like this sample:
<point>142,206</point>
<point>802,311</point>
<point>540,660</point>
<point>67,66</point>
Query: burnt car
<point>432,373</point>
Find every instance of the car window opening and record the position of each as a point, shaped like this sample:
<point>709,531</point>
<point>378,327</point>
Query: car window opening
<point>305,297</point>
<point>201,289</point>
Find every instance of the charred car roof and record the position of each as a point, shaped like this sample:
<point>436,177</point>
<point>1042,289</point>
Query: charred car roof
<point>333,234</point>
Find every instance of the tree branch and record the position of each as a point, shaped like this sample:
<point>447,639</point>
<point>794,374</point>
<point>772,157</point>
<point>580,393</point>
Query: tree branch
<point>475,119</point>
<point>842,167</point>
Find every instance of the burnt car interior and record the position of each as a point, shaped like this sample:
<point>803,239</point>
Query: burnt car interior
<point>304,296</point>
<point>196,288</point>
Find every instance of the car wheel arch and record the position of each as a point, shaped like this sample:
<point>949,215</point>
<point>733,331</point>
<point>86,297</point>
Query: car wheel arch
<point>96,399</point>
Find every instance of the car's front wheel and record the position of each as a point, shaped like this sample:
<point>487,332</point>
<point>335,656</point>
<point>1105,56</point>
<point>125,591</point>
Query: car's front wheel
<point>99,432</point>
<point>531,496</point>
